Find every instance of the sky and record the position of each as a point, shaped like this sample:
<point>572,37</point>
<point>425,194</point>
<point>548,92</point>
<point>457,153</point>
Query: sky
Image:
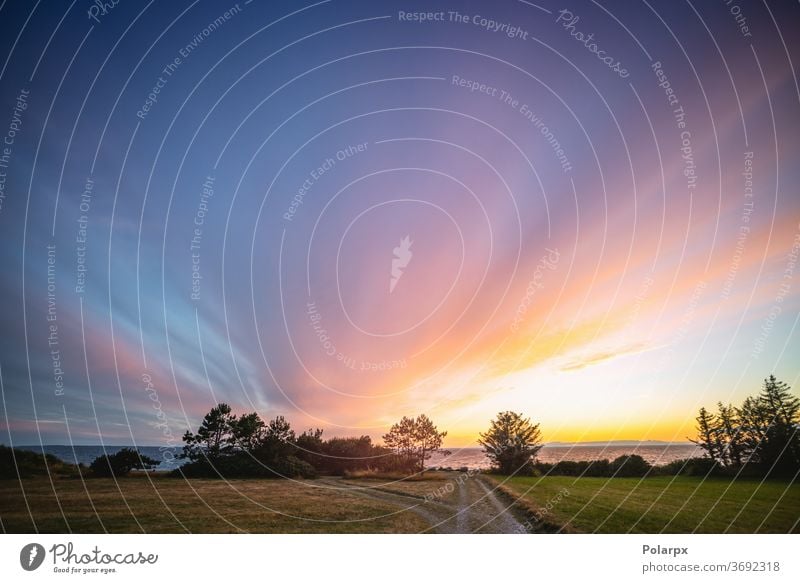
<point>346,212</point>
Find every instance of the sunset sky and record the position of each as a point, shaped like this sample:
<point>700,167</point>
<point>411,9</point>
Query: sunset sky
<point>581,250</point>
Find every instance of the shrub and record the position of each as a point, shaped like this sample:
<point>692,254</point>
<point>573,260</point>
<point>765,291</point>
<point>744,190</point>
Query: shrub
<point>630,466</point>
<point>121,463</point>
<point>246,465</point>
<point>21,463</point>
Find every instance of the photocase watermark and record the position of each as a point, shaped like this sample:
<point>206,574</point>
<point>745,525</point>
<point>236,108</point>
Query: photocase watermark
<point>52,323</point>
<point>739,18</point>
<point>168,450</point>
<point>313,177</point>
<point>401,258</point>
<point>329,348</point>
<point>488,24</point>
<point>100,8</point>
<point>66,560</point>
<point>568,20</point>
<point>783,291</point>
<point>32,556</point>
<point>506,98</point>
<point>641,296</point>
<point>548,262</point>
<point>183,53</point>
<point>744,227</point>
<point>679,117</point>
<point>539,515</point>
<point>199,221</point>
<point>82,235</point>
<point>14,127</point>
<point>685,325</point>
<point>450,486</point>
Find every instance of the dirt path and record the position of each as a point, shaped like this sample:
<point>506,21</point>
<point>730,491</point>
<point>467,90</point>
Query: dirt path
<point>457,503</point>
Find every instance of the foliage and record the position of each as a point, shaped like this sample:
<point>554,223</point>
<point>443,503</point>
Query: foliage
<point>121,463</point>
<point>625,466</point>
<point>413,441</point>
<point>758,438</point>
<point>630,466</point>
<point>214,438</point>
<point>342,455</point>
<point>228,446</point>
<point>697,466</point>
<point>511,443</point>
<point>20,463</point>
<point>598,468</point>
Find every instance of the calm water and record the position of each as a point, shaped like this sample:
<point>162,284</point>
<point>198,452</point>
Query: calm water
<point>86,454</point>
<point>473,457</point>
<point>470,457</point>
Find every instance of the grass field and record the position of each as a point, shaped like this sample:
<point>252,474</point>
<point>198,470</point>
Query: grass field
<point>662,504</point>
<point>174,505</point>
<point>160,504</point>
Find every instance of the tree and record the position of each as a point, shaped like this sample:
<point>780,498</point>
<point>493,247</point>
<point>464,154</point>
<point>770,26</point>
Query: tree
<point>753,427</point>
<point>248,431</point>
<point>215,436</point>
<point>414,440</point>
<point>708,436</point>
<point>734,449</point>
<point>428,439</point>
<point>121,463</point>
<point>761,435</point>
<point>779,452</point>
<point>277,444</point>
<point>279,430</point>
<point>400,439</point>
<point>511,443</point>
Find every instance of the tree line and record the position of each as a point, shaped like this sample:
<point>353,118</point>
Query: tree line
<point>758,438</point>
<point>229,446</point>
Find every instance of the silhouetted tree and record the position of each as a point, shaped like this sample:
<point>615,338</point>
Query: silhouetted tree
<point>248,431</point>
<point>309,446</point>
<point>214,437</point>
<point>414,440</point>
<point>761,435</point>
<point>427,438</point>
<point>779,452</point>
<point>728,425</point>
<point>400,439</point>
<point>511,442</point>
<point>121,463</point>
<point>708,436</point>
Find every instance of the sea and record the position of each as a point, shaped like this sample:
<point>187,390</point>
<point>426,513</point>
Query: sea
<point>465,457</point>
<point>655,454</point>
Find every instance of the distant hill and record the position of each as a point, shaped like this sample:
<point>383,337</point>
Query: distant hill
<point>623,442</point>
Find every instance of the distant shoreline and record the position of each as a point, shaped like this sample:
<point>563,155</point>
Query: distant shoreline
<point>625,443</point>
<point>471,457</point>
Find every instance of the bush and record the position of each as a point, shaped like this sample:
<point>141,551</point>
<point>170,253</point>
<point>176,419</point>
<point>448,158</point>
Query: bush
<point>630,466</point>
<point>121,463</point>
<point>21,463</point>
<point>246,465</point>
<point>592,469</point>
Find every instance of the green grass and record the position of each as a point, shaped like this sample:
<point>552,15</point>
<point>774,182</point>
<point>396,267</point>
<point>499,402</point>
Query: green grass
<point>207,506</point>
<point>663,504</point>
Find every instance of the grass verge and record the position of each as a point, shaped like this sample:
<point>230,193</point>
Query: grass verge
<point>660,504</point>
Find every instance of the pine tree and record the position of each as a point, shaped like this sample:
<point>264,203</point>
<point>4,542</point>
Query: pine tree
<point>512,442</point>
<point>780,448</point>
<point>708,435</point>
<point>733,451</point>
